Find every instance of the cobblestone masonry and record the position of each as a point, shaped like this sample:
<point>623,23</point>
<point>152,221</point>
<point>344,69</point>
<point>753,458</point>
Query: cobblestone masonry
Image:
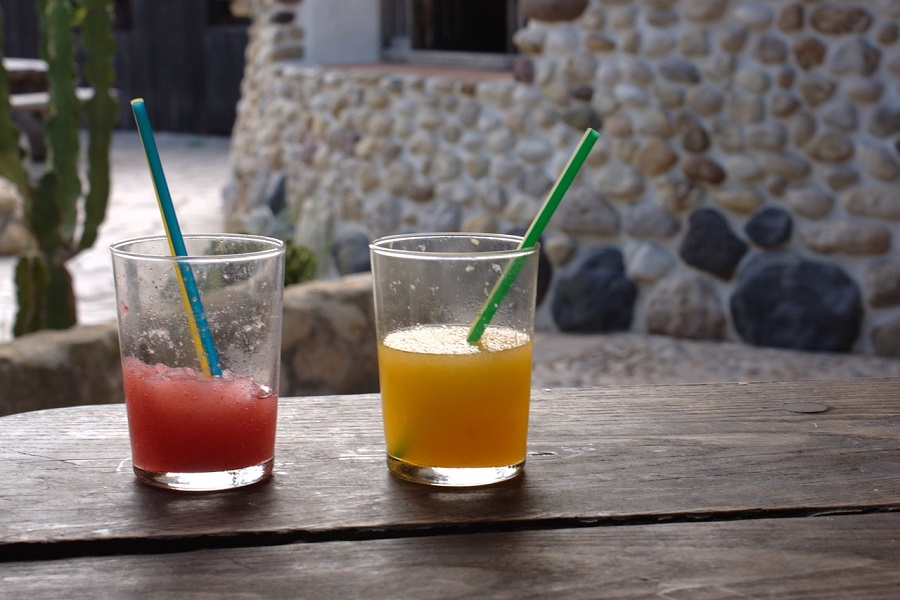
<point>745,183</point>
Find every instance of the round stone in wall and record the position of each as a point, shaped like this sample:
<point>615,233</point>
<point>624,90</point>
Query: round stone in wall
<point>594,295</point>
<point>350,252</point>
<point>885,120</point>
<point>879,201</point>
<point>648,220</point>
<point>710,245</point>
<point>586,212</point>
<point>647,261</point>
<point>785,301</point>
<point>685,307</point>
<point>810,201</point>
<point>886,339</point>
<point>838,20</point>
<point>770,227</point>
<point>883,282</point>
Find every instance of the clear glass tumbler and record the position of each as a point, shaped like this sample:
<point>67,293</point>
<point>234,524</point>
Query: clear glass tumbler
<point>200,339</point>
<point>455,413</point>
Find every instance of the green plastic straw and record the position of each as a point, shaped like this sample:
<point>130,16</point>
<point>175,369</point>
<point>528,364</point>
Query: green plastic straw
<point>489,308</point>
<point>203,342</point>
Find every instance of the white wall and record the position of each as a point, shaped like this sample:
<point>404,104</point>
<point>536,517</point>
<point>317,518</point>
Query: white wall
<point>341,31</point>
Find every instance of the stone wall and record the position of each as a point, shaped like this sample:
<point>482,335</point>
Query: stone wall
<point>328,347</point>
<point>746,185</point>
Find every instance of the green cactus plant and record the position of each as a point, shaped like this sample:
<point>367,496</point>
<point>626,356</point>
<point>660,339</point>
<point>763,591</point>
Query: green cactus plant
<point>62,217</point>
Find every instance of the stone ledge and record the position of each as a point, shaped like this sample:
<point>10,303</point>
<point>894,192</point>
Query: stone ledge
<point>328,347</point>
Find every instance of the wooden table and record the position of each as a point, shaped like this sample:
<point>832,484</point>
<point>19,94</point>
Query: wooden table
<point>732,490</point>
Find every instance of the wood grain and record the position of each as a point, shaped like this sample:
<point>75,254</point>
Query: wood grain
<point>822,558</point>
<point>624,455</point>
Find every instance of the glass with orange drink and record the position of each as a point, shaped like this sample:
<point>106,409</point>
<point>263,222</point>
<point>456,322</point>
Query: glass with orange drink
<point>455,413</point>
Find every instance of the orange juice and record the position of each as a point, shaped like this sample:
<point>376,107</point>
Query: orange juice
<point>447,403</point>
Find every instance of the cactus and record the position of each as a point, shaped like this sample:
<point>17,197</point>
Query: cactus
<point>62,218</point>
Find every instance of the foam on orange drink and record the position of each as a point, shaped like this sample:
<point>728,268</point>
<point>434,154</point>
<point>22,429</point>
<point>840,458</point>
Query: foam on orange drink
<point>181,421</point>
<point>450,404</point>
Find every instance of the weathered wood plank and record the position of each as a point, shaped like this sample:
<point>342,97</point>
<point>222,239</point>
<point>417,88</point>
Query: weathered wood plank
<point>823,558</point>
<point>614,455</point>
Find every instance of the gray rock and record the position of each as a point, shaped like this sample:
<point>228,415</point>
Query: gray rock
<point>769,228</point>
<point>744,167</point>
<point>694,42</point>
<point>790,19</point>
<point>676,194</point>
<point>350,252</point>
<point>784,301</point>
<point>710,245</point>
<point>771,49</point>
<point>51,369</point>
<point>648,262</point>
<point>655,157</point>
<point>705,100</point>
<point>703,11</point>
<point>783,104</point>
<point>855,57</point>
<point>835,19</point>
<point>586,212</point>
<point>810,201</point>
<point>593,294</point>
<point>685,307</point>
<point>619,181</point>
<point>694,137</point>
<point>649,221</point>
<point>883,282</point>
<point>809,53</point>
<point>741,200</point>
<point>878,201</point>
<point>679,70</point>
<point>770,136</point>
<point>700,169</point>
<point>733,37</point>
<point>841,115</point>
<point>864,91</point>
<point>851,239</point>
<point>886,339</point>
<point>831,147</point>
<point>885,120</point>
<point>754,15</point>
<point>841,177</point>
<point>878,161</point>
<point>816,89</point>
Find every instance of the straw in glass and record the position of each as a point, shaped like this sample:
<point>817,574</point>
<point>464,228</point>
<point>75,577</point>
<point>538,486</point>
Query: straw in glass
<point>532,235</point>
<point>203,342</point>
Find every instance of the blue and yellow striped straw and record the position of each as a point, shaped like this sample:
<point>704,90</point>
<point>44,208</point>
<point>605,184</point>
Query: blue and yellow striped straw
<point>203,342</point>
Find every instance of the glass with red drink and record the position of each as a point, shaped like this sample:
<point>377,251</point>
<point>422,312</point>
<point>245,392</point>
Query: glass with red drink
<point>201,417</point>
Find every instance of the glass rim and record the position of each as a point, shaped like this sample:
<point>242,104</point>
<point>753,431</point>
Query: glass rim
<point>380,246</point>
<point>273,247</point>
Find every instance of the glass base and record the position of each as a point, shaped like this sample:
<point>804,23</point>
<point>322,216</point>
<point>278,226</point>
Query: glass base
<point>207,481</point>
<point>453,476</point>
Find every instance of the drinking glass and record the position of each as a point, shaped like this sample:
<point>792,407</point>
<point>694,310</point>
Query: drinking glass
<point>454,413</point>
<point>201,416</point>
